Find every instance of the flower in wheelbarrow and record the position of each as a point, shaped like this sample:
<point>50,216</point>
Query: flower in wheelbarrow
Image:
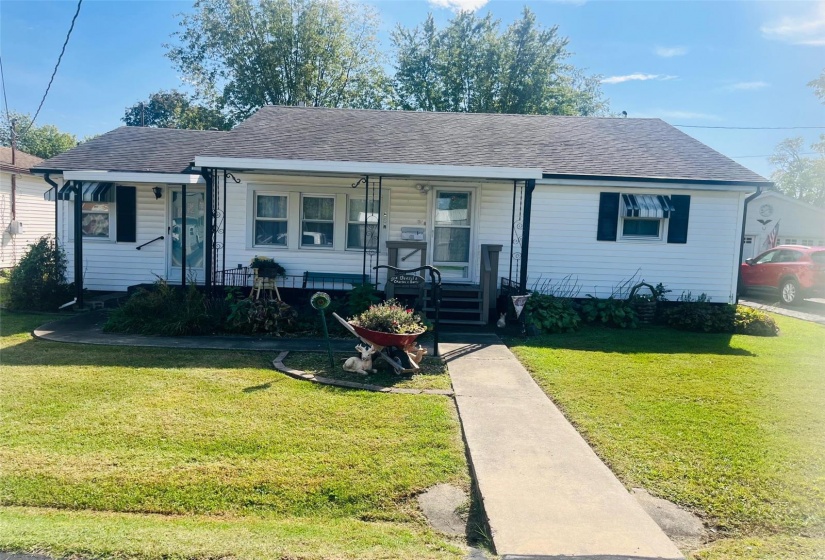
<point>390,317</point>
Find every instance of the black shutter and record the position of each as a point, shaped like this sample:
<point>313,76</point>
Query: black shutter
<point>677,230</point>
<point>126,208</point>
<point>608,216</point>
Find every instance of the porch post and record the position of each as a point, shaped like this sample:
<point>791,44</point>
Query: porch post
<point>366,226</point>
<point>209,232</point>
<point>529,187</point>
<point>78,242</point>
<point>183,235</point>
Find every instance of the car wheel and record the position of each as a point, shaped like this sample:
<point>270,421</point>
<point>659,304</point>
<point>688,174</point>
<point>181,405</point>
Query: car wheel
<point>789,292</point>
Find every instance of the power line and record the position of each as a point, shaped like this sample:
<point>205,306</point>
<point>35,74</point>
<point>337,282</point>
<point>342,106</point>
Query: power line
<point>753,127</point>
<point>3,80</point>
<point>56,66</point>
<point>769,155</point>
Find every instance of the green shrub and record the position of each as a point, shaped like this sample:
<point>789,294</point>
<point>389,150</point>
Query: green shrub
<point>269,316</point>
<point>551,314</point>
<point>38,282</point>
<point>361,297</point>
<point>169,311</point>
<point>753,322</point>
<point>700,315</point>
<point>610,312</point>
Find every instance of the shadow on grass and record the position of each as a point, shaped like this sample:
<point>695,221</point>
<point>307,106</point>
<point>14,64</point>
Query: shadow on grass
<point>644,340</point>
<point>256,388</point>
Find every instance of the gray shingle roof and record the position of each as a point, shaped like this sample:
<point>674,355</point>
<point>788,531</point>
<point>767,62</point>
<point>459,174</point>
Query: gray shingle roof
<point>577,146</point>
<point>136,149</point>
<point>609,147</point>
<point>22,160</point>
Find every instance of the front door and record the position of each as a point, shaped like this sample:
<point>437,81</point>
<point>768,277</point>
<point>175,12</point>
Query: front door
<point>453,233</point>
<point>194,227</point>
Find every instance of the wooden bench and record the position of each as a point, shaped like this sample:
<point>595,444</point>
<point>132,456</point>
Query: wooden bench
<point>342,277</point>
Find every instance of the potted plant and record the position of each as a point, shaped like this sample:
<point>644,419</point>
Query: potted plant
<point>265,267</point>
<point>389,324</point>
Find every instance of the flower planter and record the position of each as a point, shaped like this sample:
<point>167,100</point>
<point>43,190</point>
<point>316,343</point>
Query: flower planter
<point>388,339</point>
<point>267,272</point>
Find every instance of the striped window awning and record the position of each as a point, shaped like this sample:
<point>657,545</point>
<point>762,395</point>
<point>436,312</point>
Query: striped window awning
<point>90,192</point>
<point>646,206</point>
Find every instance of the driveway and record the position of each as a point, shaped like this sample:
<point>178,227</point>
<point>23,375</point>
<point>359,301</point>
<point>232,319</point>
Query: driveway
<point>812,310</point>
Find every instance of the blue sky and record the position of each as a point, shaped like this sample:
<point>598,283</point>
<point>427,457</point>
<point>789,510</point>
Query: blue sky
<point>692,63</point>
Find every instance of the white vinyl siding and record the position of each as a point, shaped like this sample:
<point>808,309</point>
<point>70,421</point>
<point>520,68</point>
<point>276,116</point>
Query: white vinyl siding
<point>563,242</point>
<point>34,213</point>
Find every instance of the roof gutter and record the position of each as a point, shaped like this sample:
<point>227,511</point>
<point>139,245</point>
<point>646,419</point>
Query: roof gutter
<point>370,168</point>
<point>742,240</point>
<point>661,180</point>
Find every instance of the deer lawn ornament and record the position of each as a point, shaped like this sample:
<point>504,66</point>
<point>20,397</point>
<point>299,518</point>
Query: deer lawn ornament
<point>362,365</point>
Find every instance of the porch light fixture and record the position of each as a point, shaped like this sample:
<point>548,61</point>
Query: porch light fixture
<point>158,192</point>
<point>423,189</point>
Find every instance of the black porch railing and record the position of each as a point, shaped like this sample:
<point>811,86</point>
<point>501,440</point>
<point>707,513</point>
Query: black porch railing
<point>510,287</point>
<point>244,277</point>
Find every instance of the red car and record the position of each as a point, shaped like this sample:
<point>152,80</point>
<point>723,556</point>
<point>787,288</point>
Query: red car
<point>795,271</point>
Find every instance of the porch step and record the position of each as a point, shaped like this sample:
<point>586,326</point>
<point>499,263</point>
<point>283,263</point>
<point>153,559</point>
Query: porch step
<point>452,310</point>
<point>461,322</point>
<point>462,299</point>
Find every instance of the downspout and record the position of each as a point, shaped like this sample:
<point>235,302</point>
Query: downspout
<point>56,205</point>
<point>742,240</point>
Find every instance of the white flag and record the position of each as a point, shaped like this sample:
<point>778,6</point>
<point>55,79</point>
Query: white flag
<point>519,302</point>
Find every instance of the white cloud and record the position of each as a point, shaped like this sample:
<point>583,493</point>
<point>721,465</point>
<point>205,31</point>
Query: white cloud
<point>746,86</point>
<point>670,52</point>
<point>460,5</point>
<point>799,29</point>
<point>637,77</point>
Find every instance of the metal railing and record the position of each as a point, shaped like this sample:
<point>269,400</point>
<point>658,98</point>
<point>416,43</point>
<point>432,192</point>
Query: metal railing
<point>244,277</point>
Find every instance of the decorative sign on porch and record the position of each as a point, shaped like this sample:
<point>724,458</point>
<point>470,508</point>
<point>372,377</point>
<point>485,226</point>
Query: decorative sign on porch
<point>407,280</point>
<point>519,302</point>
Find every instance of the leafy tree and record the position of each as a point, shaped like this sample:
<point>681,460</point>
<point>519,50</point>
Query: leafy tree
<point>799,176</point>
<point>173,109</point>
<point>42,141</point>
<point>472,65</point>
<point>243,54</point>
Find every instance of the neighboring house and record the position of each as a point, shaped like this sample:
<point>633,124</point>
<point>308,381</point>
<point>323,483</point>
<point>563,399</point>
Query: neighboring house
<point>499,203</point>
<point>775,219</point>
<point>24,216</point>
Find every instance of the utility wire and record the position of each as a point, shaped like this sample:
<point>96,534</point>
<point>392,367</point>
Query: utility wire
<point>56,66</point>
<point>752,127</point>
<point>770,155</point>
<point>5,99</point>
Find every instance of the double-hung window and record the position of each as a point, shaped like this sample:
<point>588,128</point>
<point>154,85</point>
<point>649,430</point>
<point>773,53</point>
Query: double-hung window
<point>271,220</point>
<point>362,215</point>
<point>96,220</point>
<point>318,221</point>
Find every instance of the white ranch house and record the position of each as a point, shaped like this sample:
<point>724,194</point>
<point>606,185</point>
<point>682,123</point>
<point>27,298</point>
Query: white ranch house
<point>499,203</point>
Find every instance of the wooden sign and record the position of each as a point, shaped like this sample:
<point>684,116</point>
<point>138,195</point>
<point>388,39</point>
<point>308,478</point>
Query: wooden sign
<point>407,280</point>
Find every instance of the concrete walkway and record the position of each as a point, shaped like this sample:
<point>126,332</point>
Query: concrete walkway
<point>812,310</point>
<point>545,492</point>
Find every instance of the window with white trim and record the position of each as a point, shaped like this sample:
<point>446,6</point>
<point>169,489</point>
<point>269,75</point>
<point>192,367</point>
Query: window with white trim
<point>317,221</point>
<point>644,216</point>
<point>96,221</point>
<point>359,219</point>
<point>271,219</point>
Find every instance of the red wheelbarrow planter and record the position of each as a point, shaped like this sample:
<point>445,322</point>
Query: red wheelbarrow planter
<point>381,341</point>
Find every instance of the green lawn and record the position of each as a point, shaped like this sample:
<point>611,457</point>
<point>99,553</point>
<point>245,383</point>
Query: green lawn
<point>731,427</point>
<point>177,454</point>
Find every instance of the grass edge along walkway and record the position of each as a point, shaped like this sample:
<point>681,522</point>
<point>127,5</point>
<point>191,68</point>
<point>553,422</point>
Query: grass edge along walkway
<point>729,427</point>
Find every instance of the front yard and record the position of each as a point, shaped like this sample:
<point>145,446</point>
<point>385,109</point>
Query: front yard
<point>131,452</point>
<point>730,427</point>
